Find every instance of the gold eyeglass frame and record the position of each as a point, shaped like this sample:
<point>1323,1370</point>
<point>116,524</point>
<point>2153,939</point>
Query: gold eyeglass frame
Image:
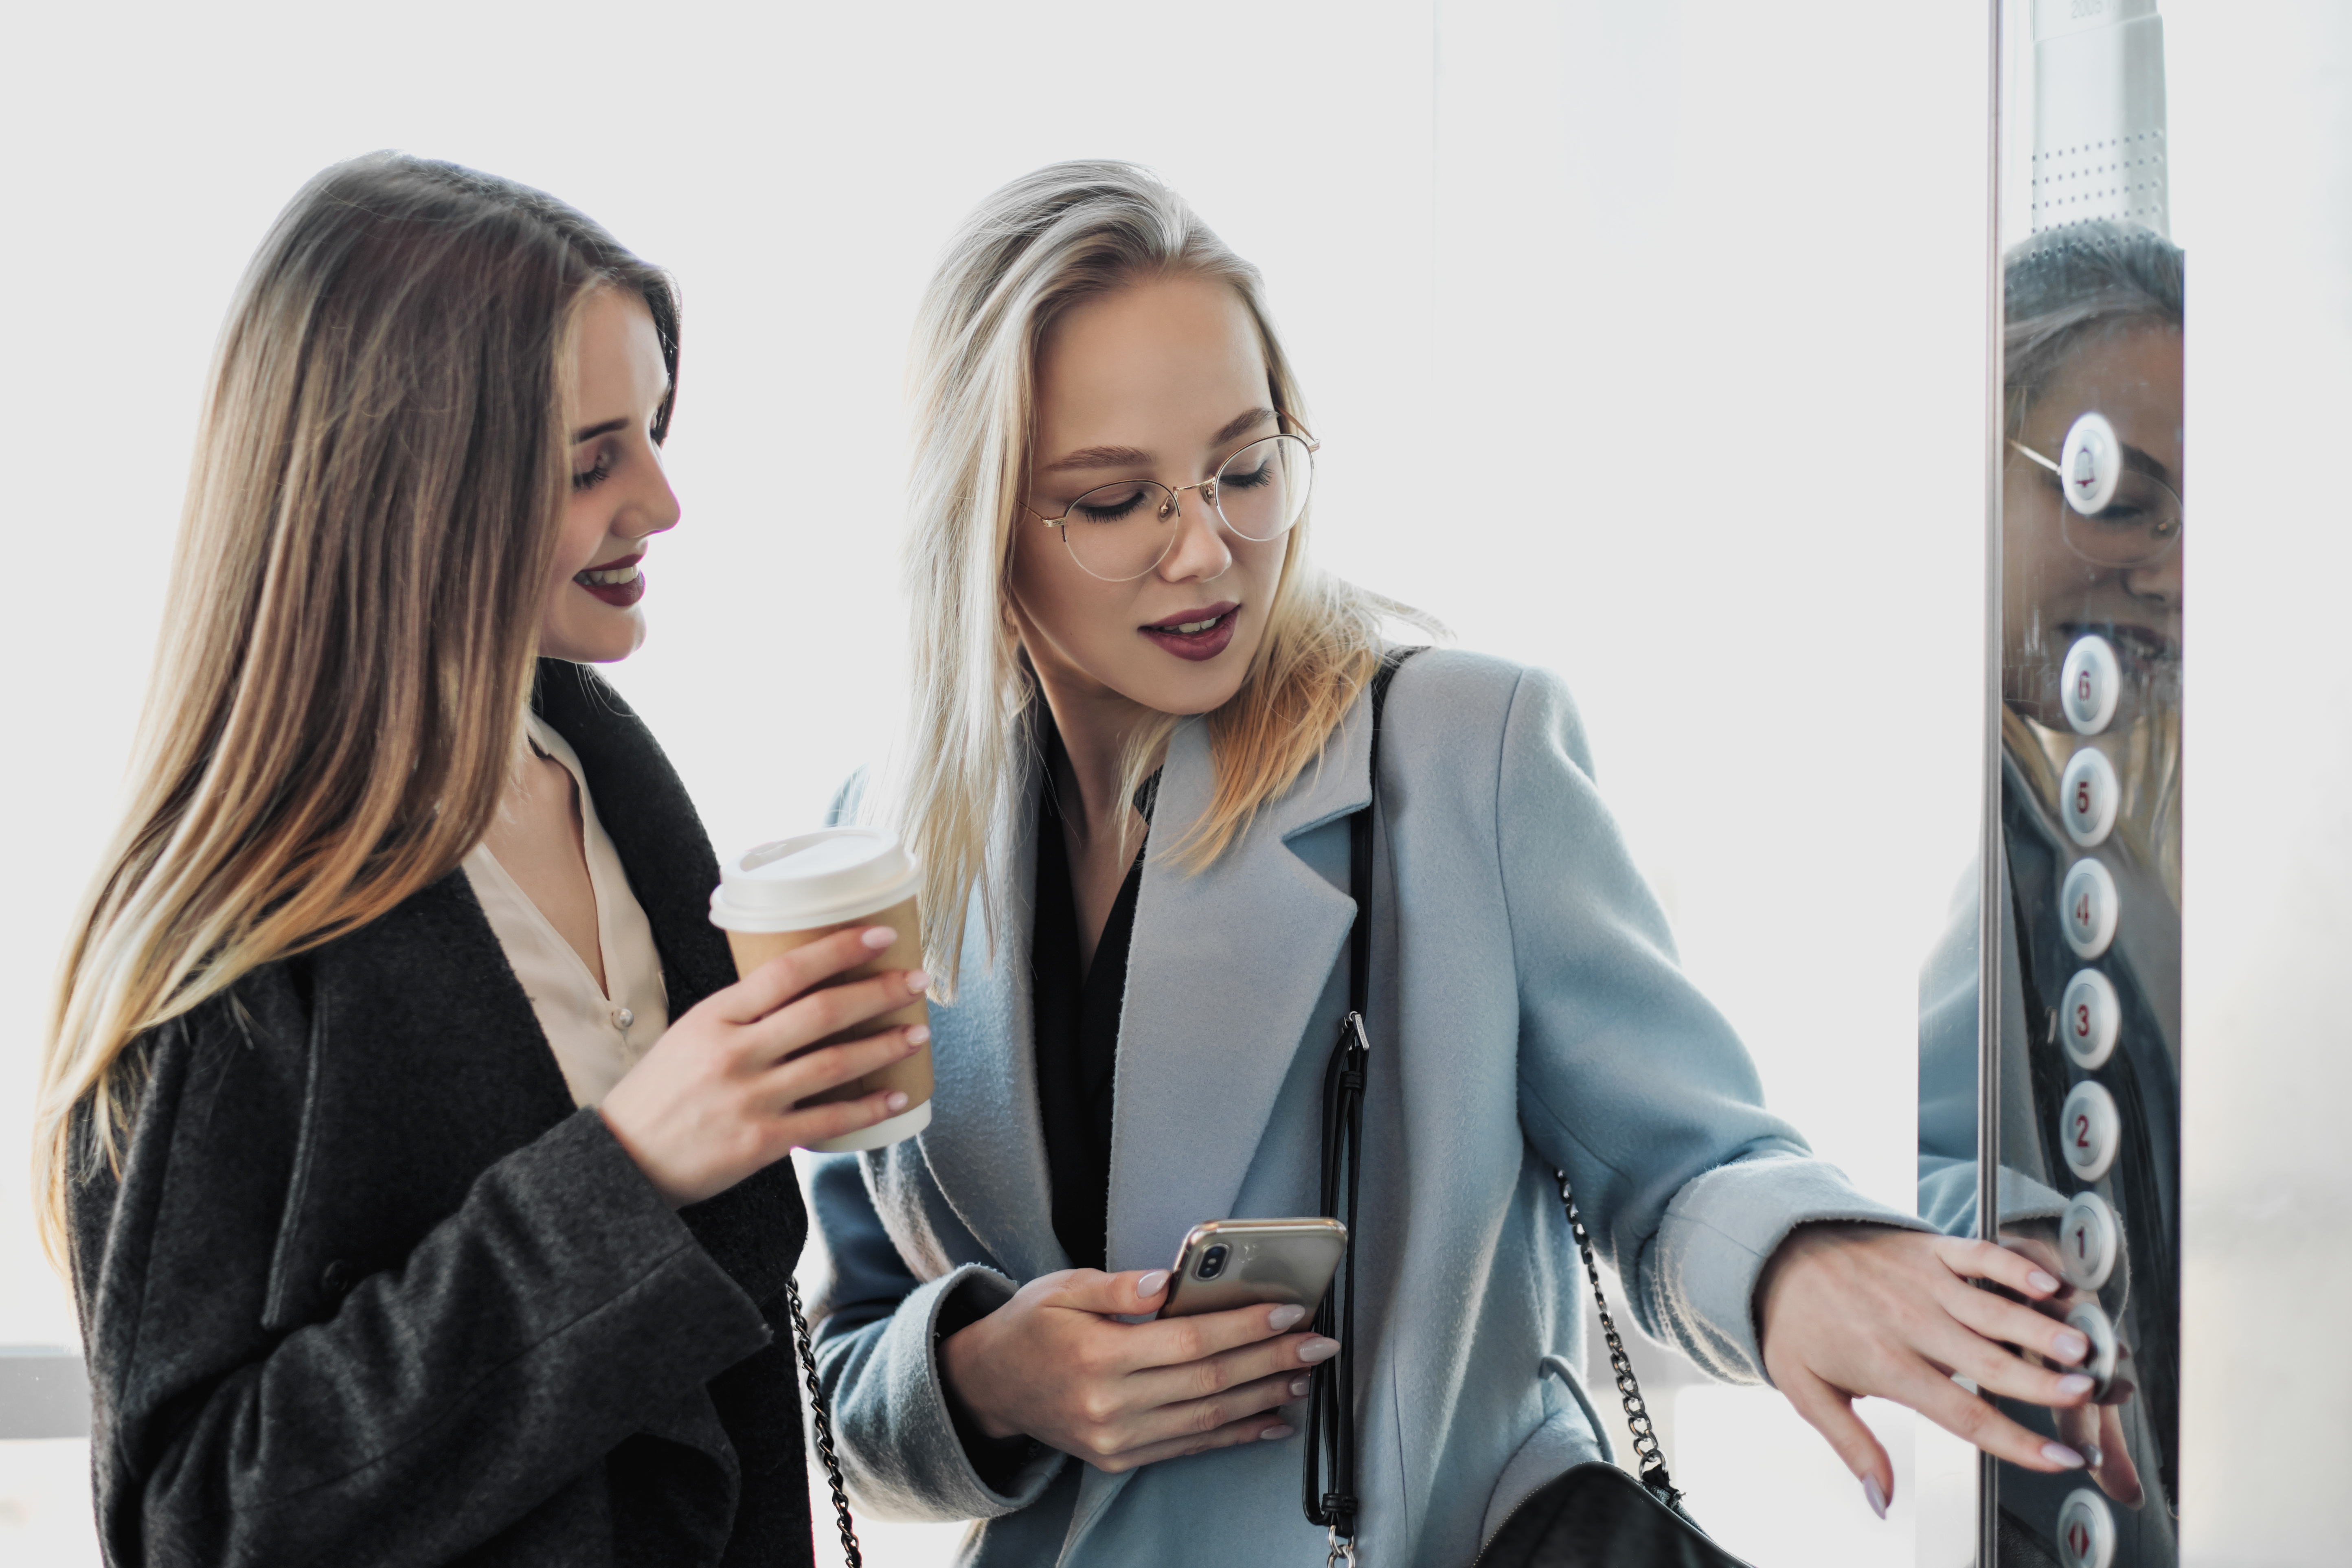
<point>1174,505</point>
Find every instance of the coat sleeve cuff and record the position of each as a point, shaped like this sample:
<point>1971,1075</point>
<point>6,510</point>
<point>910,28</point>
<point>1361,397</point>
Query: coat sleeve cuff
<point>1700,1274</point>
<point>901,1455</point>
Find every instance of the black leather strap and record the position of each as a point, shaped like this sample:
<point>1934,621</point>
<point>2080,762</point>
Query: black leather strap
<point>1331,1399</point>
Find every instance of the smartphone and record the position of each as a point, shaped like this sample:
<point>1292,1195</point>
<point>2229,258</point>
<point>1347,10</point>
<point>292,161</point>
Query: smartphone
<point>1229,1263</point>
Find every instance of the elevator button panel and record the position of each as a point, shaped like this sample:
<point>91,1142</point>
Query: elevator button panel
<point>2089,1131</point>
<point>2089,1241</point>
<point>2089,683</point>
<point>2086,1531</point>
<point>2089,1017</point>
<point>2087,794</point>
<point>2087,907</point>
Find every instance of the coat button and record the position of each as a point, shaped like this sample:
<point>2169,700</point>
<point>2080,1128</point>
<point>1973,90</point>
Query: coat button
<point>338,1278</point>
<point>623,1018</point>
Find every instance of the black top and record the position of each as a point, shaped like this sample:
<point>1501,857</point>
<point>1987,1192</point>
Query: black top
<point>1077,1011</point>
<point>369,1288</point>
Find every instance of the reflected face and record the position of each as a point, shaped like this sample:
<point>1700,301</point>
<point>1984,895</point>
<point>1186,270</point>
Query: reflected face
<point>2050,595</point>
<point>620,496</point>
<point>1162,380</point>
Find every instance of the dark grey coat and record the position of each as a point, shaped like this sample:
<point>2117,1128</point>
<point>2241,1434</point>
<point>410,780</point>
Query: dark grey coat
<point>370,1290</point>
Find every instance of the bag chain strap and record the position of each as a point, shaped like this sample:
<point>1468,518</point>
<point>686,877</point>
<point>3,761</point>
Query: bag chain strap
<point>823,1423</point>
<point>1650,1463</point>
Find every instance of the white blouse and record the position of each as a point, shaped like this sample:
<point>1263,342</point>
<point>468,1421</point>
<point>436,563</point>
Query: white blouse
<point>596,1037</point>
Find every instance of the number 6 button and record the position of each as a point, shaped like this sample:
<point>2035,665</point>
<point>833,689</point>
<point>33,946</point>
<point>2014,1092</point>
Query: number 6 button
<point>2089,1131</point>
<point>2087,905</point>
<point>2087,1241</point>
<point>2086,797</point>
<point>2088,683</point>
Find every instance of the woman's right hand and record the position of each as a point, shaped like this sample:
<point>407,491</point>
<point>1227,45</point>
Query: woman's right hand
<point>717,1097</point>
<point>1056,1363</point>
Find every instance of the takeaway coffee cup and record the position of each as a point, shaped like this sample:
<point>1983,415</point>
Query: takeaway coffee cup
<point>788,894</point>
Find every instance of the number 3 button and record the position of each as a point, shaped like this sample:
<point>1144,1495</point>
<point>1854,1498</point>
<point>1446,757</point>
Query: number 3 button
<point>2088,1018</point>
<point>2089,1131</point>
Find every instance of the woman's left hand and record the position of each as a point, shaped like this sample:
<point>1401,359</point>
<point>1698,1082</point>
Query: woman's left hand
<point>1849,1310</point>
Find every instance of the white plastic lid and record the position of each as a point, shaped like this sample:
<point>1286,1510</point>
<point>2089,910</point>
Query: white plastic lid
<point>817,879</point>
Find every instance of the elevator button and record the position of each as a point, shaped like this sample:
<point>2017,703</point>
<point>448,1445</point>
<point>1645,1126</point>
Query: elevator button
<point>2091,1321</point>
<point>2088,1018</point>
<point>2087,907</point>
<point>2086,1531</point>
<point>2088,1238</point>
<point>2088,683</point>
<point>2089,1131</point>
<point>2090,463</point>
<point>2086,797</point>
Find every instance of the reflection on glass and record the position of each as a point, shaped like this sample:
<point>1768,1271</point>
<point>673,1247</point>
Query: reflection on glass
<point>2085,863</point>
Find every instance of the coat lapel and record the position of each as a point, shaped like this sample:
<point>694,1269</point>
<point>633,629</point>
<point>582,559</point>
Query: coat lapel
<point>985,1147</point>
<point>1225,971</point>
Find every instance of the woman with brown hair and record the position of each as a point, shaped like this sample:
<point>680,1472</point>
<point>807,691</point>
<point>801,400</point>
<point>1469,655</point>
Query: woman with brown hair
<point>417,1154</point>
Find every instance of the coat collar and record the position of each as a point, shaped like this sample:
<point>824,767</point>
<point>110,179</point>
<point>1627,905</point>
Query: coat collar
<point>1227,968</point>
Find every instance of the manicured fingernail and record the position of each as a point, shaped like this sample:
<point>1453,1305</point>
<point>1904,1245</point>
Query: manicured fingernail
<point>896,1100</point>
<point>1299,1385</point>
<point>2094,1454</point>
<point>1152,1283</point>
<point>1282,1318</point>
<point>878,937</point>
<point>2041,1281</point>
<point>921,1034</point>
<point>2070,1345</point>
<point>2072,1384</point>
<point>1274,1433</point>
<point>918,981</point>
<point>2060,1455</point>
<point>1314,1351</point>
<point>1873,1495</point>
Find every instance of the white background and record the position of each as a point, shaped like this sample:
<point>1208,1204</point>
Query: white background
<point>1703,279</point>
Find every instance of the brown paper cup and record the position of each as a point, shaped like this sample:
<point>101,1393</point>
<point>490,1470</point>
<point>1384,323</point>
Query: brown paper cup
<point>911,1075</point>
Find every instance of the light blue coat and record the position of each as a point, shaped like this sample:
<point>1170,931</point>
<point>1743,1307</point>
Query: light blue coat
<point>1526,1015</point>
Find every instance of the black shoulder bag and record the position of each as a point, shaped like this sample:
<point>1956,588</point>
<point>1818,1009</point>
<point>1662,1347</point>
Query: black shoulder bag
<point>1592,1516</point>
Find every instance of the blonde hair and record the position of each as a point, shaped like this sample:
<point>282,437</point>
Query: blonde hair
<point>379,477</point>
<point>1068,233</point>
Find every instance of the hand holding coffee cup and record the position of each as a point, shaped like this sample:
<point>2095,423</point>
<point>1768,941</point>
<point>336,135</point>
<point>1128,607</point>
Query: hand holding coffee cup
<point>783,897</point>
<point>747,1074</point>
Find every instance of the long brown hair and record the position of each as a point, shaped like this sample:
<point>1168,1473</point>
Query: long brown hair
<point>379,477</point>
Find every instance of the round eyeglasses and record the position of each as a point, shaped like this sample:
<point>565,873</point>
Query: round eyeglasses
<point>2140,521</point>
<point>1119,532</point>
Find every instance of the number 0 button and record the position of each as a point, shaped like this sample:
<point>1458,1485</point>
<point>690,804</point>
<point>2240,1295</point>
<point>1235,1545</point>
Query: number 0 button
<point>2086,1531</point>
<point>2088,1239</point>
<point>2087,1018</point>
<point>2087,684</point>
<point>2086,907</point>
<point>2089,1131</point>
<point>2086,797</point>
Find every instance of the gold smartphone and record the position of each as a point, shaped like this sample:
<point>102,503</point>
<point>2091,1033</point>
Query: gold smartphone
<point>1229,1263</point>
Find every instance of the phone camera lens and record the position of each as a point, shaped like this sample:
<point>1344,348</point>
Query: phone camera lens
<point>1212,1262</point>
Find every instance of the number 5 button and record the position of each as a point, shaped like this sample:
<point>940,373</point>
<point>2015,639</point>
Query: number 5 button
<point>2088,1240</point>
<point>2086,907</point>
<point>2086,797</point>
<point>2089,1131</point>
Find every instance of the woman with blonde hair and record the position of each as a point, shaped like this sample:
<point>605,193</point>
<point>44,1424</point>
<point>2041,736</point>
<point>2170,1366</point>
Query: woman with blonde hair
<point>1141,725</point>
<point>416,1153</point>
